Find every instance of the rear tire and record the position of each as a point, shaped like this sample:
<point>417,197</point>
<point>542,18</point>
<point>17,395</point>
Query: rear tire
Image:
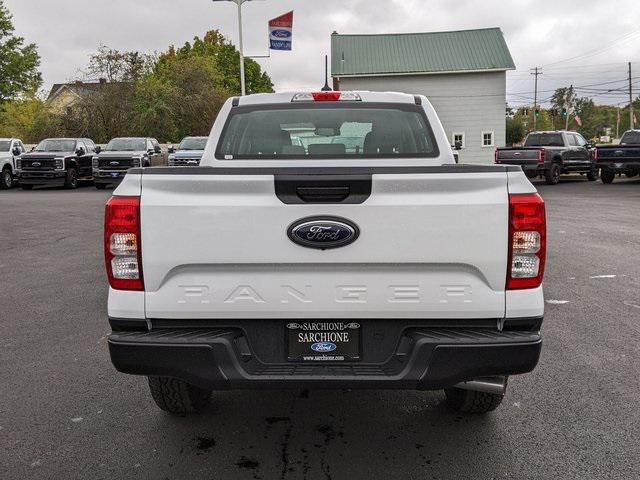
<point>592,176</point>
<point>471,401</point>
<point>6,180</point>
<point>177,396</point>
<point>552,176</point>
<point>26,187</point>
<point>71,180</point>
<point>607,175</point>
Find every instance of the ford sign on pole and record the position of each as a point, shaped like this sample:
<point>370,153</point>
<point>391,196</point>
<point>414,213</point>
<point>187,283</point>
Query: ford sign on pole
<point>281,32</point>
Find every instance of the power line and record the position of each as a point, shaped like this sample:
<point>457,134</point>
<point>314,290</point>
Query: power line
<point>597,51</point>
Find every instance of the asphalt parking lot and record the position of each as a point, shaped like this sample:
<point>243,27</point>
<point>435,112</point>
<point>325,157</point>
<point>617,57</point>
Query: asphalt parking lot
<point>65,413</point>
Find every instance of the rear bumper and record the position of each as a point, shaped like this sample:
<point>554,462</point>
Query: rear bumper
<point>50,177</point>
<point>527,166</point>
<point>618,166</point>
<point>422,359</point>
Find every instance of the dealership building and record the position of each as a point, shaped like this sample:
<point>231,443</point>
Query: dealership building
<point>462,73</point>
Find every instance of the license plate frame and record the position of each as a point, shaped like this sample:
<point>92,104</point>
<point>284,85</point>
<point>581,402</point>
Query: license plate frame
<point>322,341</point>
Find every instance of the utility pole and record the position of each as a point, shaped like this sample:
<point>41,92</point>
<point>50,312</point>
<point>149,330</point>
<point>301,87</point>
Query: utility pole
<point>535,71</point>
<point>631,122</point>
<point>568,102</point>
<point>618,123</point>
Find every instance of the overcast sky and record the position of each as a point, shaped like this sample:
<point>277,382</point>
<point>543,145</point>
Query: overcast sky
<point>603,35</point>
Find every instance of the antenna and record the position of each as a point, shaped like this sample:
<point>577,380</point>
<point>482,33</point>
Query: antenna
<point>326,87</point>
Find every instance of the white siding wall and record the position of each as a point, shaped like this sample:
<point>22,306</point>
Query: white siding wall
<point>469,103</point>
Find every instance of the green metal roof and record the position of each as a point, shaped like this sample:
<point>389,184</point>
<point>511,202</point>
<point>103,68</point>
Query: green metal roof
<point>434,52</point>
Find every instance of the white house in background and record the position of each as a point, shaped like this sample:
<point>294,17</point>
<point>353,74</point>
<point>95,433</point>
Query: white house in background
<point>462,73</point>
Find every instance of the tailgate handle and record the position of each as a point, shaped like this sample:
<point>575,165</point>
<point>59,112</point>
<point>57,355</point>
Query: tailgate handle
<point>298,189</point>
<point>323,194</point>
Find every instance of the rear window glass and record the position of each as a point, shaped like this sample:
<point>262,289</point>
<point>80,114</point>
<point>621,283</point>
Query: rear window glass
<point>193,143</point>
<point>630,138</point>
<point>544,140</point>
<point>56,145</point>
<point>126,145</point>
<point>327,130</point>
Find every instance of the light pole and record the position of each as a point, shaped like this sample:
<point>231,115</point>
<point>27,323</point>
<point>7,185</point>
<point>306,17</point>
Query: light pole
<point>243,89</point>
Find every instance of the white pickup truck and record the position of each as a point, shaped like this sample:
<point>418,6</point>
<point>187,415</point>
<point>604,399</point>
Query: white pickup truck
<point>10,151</point>
<point>328,240</point>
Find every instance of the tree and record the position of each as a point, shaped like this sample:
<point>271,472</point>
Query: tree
<point>116,66</point>
<point>228,63</point>
<point>515,130</point>
<point>184,92</point>
<point>18,62</point>
<point>103,113</point>
<point>29,119</point>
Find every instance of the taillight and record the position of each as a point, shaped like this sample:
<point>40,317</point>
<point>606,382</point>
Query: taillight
<point>594,154</point>
<point>122,247</point>
<point>327,97</point>
<point>541,154</point>
<point>495,157</point>
<point>527,241</point>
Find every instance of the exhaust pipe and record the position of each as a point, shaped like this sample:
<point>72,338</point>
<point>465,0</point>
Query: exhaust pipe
<point>494,385</point>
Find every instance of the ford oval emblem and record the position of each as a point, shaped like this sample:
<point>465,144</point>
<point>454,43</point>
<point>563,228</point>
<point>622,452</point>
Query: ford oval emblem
<point>323,232</point>
<point>323,347</point>
<point>281,33</point>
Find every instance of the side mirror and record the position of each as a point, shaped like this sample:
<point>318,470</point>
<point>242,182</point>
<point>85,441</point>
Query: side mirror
<point>157,149</point>
<point>80,151</point>
<point>171,149</point>
<point>33,148</point>
<point>458,146</point>
<point>98,149</point>
<point>16,152</point>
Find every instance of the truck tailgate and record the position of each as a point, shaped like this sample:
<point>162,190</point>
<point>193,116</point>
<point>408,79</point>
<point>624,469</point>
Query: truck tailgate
<point>523,156</point>
<point>619,153</point>
<point>431,245</point>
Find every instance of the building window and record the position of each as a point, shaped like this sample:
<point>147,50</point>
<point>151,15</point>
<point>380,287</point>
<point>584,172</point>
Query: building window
<point>458,137</point>
<point>487,139</point>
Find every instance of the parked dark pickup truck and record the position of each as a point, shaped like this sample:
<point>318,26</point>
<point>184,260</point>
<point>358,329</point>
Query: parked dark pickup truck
<point>56,161</point>
<point>550,154</point>
<point>622,158</point>
<point>111,164</point>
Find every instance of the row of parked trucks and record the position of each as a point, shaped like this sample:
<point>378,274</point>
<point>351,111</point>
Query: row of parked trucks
<point>551,154</point>
<point>67,161</point>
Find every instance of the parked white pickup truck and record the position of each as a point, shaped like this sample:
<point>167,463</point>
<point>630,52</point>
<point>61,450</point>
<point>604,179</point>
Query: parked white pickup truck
<point>10,150</point>
<point>292,258</point>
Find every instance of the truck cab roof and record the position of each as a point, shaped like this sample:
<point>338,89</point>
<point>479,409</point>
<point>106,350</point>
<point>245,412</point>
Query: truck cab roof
<point>320,129</point>
<point>297,96</point>
<point>549,132</point>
